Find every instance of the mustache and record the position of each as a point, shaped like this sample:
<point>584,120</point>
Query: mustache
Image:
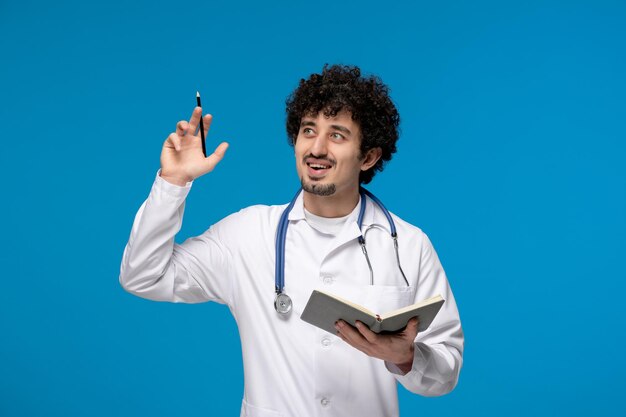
<point>319,157</point>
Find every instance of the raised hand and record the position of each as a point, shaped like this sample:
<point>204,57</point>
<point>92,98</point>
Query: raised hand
<point>182,159</point>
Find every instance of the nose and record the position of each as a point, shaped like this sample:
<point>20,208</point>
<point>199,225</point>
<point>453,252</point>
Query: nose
<point>319,146</point>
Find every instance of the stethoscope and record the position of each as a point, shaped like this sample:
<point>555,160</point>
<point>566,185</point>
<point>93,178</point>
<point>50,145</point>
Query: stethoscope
<point>282,302</point>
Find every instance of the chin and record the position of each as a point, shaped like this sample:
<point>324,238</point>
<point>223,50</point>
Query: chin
<point>317,187</point>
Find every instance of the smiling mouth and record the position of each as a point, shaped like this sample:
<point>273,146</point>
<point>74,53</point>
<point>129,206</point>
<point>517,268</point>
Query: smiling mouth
<point>316,170</point>
<point>318,167</point>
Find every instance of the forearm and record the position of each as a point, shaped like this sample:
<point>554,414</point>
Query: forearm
<point>434,372</point>
<point>148,253</point>
<point>438,353</point>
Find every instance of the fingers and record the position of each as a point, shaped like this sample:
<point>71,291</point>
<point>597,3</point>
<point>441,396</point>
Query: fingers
<point>350,335</point>
<point>395,348</point>
<point>174,140</point>
<point>207,124</point>
<point>369,335</point>
<point>182,128</point>
<point>195,120</point>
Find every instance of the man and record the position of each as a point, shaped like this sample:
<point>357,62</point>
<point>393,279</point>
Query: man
<point>343,128</point>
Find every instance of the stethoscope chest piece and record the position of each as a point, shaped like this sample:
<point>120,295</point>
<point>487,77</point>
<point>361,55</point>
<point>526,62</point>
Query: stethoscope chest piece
<point>282,303</point>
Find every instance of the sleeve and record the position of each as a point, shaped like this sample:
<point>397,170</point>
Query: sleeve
<point>438,353</point>
<point>156,268</point>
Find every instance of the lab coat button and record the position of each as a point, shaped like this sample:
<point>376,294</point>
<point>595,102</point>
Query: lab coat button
<point>325,341</point>
<point>327,279</point>
<point>325,402</point>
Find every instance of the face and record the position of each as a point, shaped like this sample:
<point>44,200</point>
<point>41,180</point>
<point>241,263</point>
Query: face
<point>328,157</point>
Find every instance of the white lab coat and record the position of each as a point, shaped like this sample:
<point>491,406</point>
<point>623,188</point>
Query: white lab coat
<point>292,368</point>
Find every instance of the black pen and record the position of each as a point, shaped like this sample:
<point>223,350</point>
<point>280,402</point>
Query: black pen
<point>201,124</point>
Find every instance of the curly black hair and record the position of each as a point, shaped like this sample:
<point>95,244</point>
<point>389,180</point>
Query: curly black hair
<point>341,87</point>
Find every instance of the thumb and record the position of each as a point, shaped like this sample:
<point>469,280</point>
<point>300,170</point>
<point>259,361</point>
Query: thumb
<point>212,160</point>
<point>412,327</point>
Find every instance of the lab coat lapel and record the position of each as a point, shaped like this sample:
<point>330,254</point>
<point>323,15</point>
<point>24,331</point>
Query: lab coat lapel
<point>349,233</point>
<point>372,215</point>
<point>297,212</point>
<point>351,230</point>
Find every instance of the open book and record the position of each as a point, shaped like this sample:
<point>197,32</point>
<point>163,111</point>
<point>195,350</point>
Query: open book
<point>324,309</point>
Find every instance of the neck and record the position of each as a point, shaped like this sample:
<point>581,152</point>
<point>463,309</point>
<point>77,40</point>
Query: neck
<point>333,205</point>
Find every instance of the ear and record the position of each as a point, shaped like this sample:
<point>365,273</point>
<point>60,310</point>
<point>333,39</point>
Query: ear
<point>371,157</point>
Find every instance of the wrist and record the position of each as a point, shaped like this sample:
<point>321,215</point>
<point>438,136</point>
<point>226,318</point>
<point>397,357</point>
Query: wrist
<point>176,180</point>
<point>407,364</point>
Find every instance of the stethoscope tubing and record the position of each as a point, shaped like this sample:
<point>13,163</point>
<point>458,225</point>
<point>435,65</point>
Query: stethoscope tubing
<point>392,224</point>
<point>280,245</point>
<point>281,235</point>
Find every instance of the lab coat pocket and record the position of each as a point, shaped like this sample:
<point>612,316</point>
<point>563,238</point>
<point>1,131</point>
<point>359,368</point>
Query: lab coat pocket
<point>382,299</point>
<point>248,410</point>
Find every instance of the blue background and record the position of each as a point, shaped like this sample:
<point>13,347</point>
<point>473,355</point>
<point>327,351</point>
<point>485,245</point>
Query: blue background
<point>511,159</point>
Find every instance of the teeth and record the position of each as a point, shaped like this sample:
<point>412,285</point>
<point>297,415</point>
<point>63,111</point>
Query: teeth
<point>318,166</point>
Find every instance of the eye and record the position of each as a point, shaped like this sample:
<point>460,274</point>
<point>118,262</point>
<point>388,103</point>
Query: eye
<point>307,131</point>
<point>336,135</point>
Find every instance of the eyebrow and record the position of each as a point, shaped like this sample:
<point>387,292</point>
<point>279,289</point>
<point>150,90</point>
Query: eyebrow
<point>336,127</point>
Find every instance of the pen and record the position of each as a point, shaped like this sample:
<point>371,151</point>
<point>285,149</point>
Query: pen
<point>201,124</point>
